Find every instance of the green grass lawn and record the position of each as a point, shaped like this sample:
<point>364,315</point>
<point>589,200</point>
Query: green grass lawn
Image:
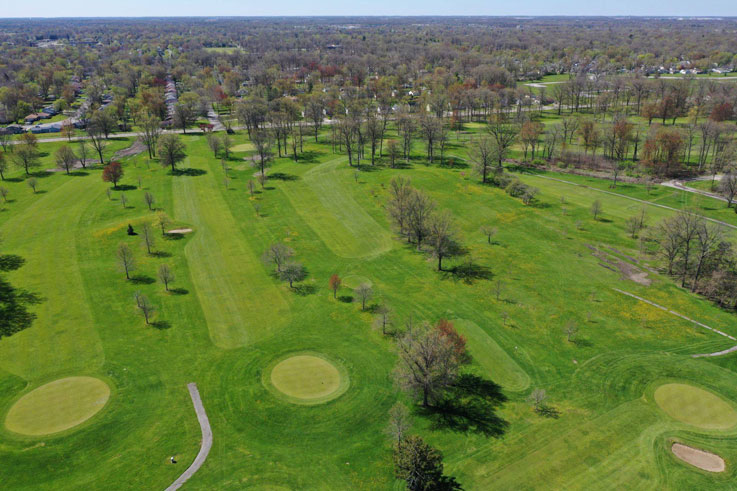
<point>228,321</point>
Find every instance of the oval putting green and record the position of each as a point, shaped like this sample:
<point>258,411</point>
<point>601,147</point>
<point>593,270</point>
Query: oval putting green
<point>695,406</point>
<point>308,378</point>
<point>57,406</point>
<point>353,281</point>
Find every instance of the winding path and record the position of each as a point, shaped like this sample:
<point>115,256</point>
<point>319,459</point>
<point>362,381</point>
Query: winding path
<point>206,438</point>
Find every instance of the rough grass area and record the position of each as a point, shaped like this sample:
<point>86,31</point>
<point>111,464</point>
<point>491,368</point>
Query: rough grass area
<point>57,406</point>
<point>695,406</point>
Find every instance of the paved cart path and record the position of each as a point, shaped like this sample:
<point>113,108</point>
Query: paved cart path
<point>206,439</point>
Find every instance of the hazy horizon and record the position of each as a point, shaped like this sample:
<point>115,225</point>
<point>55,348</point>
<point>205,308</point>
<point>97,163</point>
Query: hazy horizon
<point>361,8</point>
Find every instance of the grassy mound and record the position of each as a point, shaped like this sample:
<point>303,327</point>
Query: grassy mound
<point>57,406</point>
<point>354,281</point>
<point>243,147</point>
<point>308,378</point>
<point>695,406</point>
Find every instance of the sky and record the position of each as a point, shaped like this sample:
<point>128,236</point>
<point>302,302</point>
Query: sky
<point>207,8</point>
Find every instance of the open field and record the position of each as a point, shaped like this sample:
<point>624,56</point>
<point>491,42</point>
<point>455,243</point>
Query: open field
<point>242,335</point>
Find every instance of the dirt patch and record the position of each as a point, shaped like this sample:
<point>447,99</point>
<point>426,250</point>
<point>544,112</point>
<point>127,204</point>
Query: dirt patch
<point>702,459</point>
<point>627,270</point>
<point>179,231</point>
<point>135,149</point>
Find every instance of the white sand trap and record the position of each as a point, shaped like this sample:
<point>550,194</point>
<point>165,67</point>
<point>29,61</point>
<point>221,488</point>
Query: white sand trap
<point>699,458</point>
<point>179,231</point>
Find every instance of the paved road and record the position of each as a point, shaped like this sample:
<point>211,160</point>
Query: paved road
<point>206,439</point>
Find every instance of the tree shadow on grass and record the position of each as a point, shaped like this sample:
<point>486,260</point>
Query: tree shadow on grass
<point>125,187</point>
<point>174,236</point>
<point>469,407</point>
<point>281,176</point>
<point>468,273</point>
<point>308,157</point>
<point>304,290</point>
<point>548,411</point>
<point>11,262</point>
<point>346,298</point>
<point>178,291</point>
<point>189,172</point>
<point>161,254</point>
<point>161,325</point>
<point>142,279</point>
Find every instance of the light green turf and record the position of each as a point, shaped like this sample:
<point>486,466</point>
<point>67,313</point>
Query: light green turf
<point>608,434</point>
<point>492,358</point>
<point>354,281</point>
<point>324,199</point>
<point>305,377</point>
<point>243,147</point>
<point>695,406</point>
<point>229,276</point>
<point>57,406</point>
<point>45,234</point>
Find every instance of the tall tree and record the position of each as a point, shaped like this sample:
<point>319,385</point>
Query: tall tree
<point>171,151</point>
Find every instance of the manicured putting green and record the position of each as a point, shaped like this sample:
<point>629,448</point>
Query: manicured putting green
<point>308,379</point>
<point>57,406</point>
<point>695,406</point>
<point>243,147</point>
<point>354,281</point>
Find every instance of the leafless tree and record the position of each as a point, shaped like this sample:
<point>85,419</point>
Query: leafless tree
<point>442,236</point>
<point>65,158</point>
<point>166,276</point>
<point>292,272</point>
<point>32,183</point>
<point>482,154</point>
<point>163,221</point>
<point>428,363</point>
<point>148,237</point>
<point>149,198</point>
<point>383,316</point>
<point>278,254</point>
<point>596,209</point>
<point>144,306</point>
<point>150,130</point>
<point>728,186</point>
<point>571,330</point>
<point>363,293</point>
<point>399,423</point>
<point>126,260</point>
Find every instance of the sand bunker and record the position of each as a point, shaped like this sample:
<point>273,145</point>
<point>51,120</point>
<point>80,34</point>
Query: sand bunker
<point>57,406</point>
<point>179,231</point>
<point>308,379</point>
<point>699,458</point>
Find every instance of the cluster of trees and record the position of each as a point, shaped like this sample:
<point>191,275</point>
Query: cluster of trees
<point>280,256</point>
<point>415,215</point>
<point>697,252</point>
